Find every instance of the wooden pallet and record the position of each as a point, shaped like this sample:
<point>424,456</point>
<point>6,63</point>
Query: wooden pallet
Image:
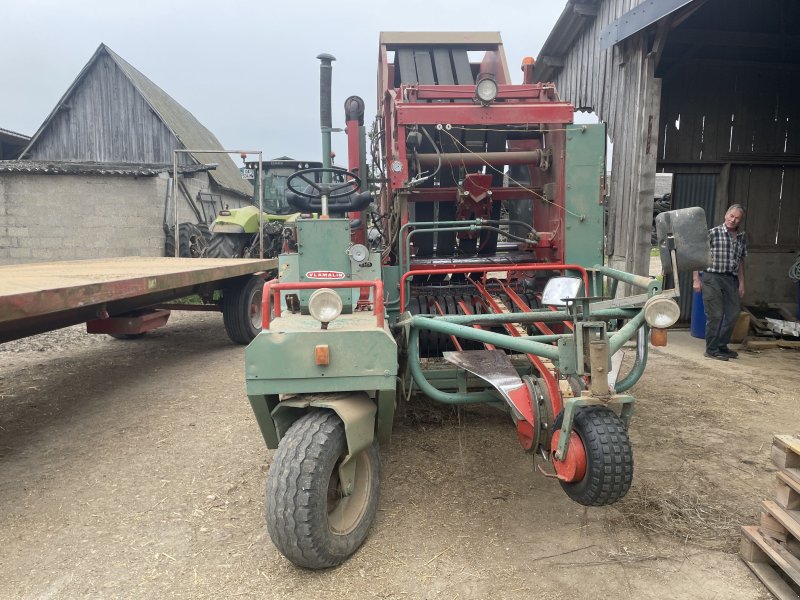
<point>786,454</point>
<point>768,564</point>
<point>772,549</point>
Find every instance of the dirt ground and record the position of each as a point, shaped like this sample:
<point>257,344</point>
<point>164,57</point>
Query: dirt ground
<point>135,469</point>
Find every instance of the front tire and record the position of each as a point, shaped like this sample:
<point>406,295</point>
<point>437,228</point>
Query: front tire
<point>309,519</point>
<point>609,458</point>
<point>226,245</point>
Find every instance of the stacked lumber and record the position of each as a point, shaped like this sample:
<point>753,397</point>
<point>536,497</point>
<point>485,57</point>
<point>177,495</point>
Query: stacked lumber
<point>772,549</point>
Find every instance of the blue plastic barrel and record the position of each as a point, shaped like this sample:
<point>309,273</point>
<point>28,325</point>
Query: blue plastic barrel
<point>698,319</point>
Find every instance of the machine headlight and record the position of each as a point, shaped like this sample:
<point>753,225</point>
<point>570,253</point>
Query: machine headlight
<point>486,90</point>
<point>661,312</point>
<point>325,305</point>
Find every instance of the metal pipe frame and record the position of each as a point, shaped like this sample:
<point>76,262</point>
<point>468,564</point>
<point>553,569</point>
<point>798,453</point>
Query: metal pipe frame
<point>520,267</point>
<point>274,287</point>
<point>438,395</point>
<point>500,340</point>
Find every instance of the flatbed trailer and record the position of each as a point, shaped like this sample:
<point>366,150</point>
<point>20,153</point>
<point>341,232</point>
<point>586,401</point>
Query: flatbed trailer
<point>126,297</point>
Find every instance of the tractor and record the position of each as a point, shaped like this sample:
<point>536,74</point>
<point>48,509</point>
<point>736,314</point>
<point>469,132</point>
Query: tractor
<point>234,233</point>
<point>466,265</point>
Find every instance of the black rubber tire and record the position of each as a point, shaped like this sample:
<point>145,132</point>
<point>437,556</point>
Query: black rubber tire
<point>301,488</point>
<point>226,245</point>
<point>241,310</point>
<point>205,231</point>
<point>609,457</point>
<point>185,233</point>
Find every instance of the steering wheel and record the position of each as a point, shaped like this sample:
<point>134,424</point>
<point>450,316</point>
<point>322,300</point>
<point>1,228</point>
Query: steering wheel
<point>331,190</point>
<point>343,197</point>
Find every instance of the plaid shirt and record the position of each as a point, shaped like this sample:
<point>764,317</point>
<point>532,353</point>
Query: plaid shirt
<point>726,252</point>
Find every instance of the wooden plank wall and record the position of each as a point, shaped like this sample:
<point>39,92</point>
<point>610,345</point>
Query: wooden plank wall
<point>106,120</point>
<point>743,123</point>
<point>618,84</point>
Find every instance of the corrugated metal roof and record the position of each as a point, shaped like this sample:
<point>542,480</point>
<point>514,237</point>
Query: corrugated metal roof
<point>52,167</point>
<point>186,128</point>
<point>13,135</point>
<point>577,14</point>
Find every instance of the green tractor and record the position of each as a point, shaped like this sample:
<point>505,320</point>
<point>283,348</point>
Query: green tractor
<point>235,232</point>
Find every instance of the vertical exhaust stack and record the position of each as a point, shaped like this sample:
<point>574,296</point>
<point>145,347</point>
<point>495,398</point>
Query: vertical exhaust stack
<point>325,111</point>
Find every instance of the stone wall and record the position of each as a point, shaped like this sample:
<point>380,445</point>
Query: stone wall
<point>45,217</point>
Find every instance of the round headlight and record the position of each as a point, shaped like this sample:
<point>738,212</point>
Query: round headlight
<point>486,90</point>
<point>325,305</point>
<point>661,312</point>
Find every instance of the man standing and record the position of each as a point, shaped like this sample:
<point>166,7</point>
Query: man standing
<point>723,283</point>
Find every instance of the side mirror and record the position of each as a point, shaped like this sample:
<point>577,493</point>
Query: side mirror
<point>686,229</point>
<point>559,288</point>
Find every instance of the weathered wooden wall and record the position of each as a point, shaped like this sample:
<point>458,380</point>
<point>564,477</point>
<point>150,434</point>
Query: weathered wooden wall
<point>106,120</point>
<point>744,124</point>
<point>617,83</point>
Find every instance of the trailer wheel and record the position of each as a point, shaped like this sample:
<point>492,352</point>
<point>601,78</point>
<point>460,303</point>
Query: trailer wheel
<point>226,245</point>
<point>309,519</point>
<point>127,336</point>
<point>241,310</point>
<point>609,458</point>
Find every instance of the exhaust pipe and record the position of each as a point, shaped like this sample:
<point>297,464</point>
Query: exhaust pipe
<point>325,111</point>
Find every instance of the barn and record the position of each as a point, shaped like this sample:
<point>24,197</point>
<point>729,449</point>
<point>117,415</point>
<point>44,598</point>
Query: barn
<point>702,89</point>
<point>95,179</point>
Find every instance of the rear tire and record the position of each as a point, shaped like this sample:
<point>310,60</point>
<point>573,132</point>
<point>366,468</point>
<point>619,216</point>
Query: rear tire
<point>241,310</point>
<point>226,245</point>
<point>185,233</point>
<point>609,458</point>
<point>309,520</point>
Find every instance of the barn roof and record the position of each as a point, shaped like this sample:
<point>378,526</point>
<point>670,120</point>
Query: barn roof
<point>61,167</point>
<point>183,125</point>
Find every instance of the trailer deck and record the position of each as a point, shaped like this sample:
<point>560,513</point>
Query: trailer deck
<point>39,297</point>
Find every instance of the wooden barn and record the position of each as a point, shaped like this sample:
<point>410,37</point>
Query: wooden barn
<point>113,113</point>
<point>95,179</point>
<point>703,89</point>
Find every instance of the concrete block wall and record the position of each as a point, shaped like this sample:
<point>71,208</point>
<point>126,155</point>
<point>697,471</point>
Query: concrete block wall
<point>70,217</point>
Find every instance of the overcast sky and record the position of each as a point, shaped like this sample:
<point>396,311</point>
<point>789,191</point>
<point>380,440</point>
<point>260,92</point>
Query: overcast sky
<point>246,70</point>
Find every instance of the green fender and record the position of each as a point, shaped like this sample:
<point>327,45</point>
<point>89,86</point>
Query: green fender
<point>356,411</point>
<point>245,220</point>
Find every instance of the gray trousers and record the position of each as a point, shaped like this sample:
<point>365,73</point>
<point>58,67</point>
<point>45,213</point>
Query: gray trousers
<point>722,306</point>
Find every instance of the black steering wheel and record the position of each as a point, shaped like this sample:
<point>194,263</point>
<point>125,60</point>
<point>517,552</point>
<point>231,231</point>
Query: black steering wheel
<point>331,190</point>
<point>342,197</point>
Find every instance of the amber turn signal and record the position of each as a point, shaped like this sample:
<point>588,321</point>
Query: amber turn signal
<point>322,355</point>
<point>658,337</point>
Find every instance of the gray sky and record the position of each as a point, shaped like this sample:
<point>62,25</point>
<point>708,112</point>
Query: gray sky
<point>246,70</point>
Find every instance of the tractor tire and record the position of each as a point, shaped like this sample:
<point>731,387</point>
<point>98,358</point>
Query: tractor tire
<point>205,231</point>
<point>609,458</point>
<point>241,310</point>
<point>226,245</point>
<point>309,520</point>
<point>185,233</point>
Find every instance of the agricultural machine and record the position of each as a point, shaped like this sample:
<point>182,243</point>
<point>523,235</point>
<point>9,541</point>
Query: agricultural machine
<point>234,232</point>
<point>474,276</point>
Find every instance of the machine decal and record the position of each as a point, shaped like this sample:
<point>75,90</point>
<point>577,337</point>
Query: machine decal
<point>324,275</point>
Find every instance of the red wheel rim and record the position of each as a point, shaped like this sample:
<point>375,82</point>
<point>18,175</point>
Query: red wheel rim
<point>573,468</point>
